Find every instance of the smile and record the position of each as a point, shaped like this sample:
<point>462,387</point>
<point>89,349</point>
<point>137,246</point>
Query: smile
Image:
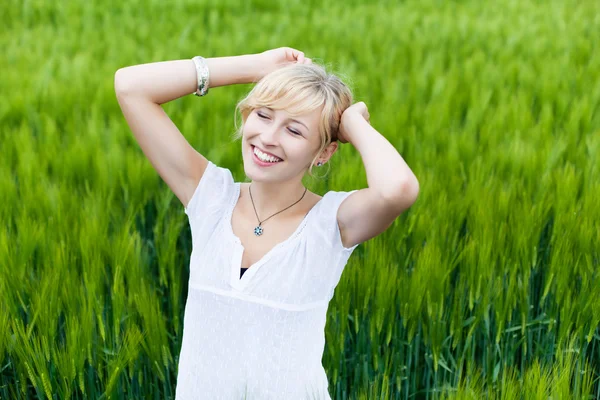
<point>265,157</point>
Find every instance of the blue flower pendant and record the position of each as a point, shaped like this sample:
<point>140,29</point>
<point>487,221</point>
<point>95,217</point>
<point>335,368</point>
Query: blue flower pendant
<point>258,230</point>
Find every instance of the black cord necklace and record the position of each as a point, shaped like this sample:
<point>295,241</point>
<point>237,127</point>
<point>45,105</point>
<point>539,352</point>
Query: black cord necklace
<point>258,230</point>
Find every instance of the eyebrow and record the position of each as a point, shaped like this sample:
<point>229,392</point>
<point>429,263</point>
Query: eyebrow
<point>291,119</point>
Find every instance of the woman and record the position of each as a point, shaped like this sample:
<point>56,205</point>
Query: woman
<point>260,334</point>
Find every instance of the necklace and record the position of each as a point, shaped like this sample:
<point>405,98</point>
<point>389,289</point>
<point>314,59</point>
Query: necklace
<point>258,230</point>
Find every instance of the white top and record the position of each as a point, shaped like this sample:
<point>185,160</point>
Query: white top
<point>262,333</point>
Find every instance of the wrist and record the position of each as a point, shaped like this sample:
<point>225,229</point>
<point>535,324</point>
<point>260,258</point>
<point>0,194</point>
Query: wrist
<point>232,70</point>
<point>253,68</point>
<point>353,124</point>
<point>351,119</point>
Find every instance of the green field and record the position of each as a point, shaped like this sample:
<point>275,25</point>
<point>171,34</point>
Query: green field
<point>487,287</point>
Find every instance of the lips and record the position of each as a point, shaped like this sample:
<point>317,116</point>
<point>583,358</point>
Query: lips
<point>266,152</point>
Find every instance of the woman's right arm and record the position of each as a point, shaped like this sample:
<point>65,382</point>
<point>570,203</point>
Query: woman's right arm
<point>140,91</point>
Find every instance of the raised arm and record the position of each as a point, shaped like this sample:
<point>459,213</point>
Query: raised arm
<point>393,187</point>
<point>140,91</point>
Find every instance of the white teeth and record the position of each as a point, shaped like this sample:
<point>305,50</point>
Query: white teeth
<point>264,157</point>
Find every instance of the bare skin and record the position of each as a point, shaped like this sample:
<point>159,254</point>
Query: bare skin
<point>277,229</point>
<point>142,89</point>
<point>279,186</point>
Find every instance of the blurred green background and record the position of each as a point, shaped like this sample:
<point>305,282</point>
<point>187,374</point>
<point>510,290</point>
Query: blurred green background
<point>487,286</point>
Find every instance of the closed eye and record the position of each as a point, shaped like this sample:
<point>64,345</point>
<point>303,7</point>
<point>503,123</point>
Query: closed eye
<point>265,117</point>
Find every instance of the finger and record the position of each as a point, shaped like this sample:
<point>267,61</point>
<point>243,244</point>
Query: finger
<point>300,57</point>
<point>307,60</point>
<point>292,54</point>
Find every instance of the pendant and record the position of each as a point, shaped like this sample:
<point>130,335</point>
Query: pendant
<point>258,230</point>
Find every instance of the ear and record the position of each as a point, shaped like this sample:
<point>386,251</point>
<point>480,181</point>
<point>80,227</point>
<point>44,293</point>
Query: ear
<point>328,151</point>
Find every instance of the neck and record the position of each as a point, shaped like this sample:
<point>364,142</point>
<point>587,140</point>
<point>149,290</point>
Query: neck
<point>270,198</point>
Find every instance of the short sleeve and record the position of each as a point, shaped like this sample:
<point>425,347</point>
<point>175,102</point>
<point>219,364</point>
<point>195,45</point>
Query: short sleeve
<point>212,192</point>
<point>328,220</point>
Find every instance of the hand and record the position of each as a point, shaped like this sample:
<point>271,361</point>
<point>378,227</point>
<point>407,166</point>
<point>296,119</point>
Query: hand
<point>356,110</point>
<point>271,60</point>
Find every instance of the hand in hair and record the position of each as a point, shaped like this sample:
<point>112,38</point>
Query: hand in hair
<point>270,60</point>
<point>359,110</point>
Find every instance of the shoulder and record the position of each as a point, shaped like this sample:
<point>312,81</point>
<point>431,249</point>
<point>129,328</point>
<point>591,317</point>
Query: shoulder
<point>330,203</point>
<point>213,189</point>
<point>216,180</point>
<point>327,217</point>
<point>215,170</point>
<point>333,199</point>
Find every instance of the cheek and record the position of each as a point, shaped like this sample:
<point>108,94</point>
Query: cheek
<point>254,126</point>
<point>299,153</point>
<point>248,130</point>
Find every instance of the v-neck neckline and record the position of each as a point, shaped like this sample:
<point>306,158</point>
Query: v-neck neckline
<point>238,253</point>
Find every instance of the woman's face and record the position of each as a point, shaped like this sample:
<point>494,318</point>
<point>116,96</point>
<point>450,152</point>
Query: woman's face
<point>293,140</point>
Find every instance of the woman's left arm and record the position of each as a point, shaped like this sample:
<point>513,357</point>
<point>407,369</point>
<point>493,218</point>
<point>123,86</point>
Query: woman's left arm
<point>392,186</point>
<point>387,172</point>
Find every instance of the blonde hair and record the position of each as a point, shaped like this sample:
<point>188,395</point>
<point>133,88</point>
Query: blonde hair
<point>298,89</point>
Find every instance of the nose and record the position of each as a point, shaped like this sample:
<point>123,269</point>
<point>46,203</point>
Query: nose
<point>269,136</point>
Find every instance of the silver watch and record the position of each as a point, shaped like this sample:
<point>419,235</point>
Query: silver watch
<point>202,75</point>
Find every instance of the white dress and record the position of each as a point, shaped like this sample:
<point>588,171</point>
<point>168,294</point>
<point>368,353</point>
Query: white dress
<point>260,336</point>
